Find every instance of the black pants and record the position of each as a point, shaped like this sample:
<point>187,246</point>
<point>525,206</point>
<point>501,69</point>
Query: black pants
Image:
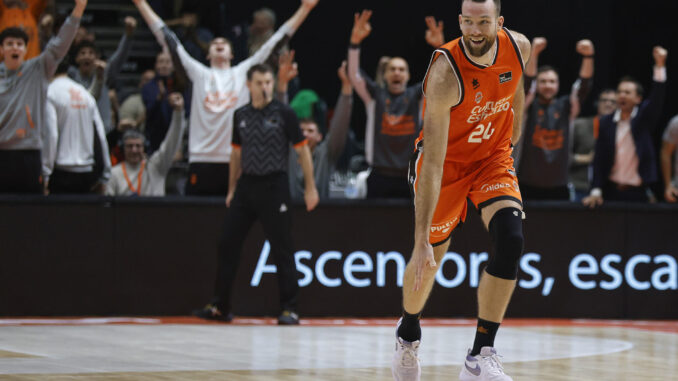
<point>266,198</point>
<point>71,182</point>
<point>20,171</point>
<point>538,193</point>
<point>380,185</point>
<point>614,192</point>
<point>207,179</point>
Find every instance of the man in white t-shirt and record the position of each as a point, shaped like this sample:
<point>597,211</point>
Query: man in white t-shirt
<point>218,90</point>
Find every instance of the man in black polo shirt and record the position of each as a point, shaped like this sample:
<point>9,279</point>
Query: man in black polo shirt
<point>258,189</point>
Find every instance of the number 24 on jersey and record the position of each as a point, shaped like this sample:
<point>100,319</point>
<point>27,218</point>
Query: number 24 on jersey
<point>481,133</point>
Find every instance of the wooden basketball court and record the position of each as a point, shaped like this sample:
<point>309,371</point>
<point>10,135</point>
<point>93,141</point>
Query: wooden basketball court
<point>325,349</point>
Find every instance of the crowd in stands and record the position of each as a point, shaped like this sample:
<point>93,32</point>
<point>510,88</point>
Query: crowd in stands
<point>67,127</point>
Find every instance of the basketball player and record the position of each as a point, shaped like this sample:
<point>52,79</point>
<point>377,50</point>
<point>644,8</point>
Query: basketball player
<point>474,101</point>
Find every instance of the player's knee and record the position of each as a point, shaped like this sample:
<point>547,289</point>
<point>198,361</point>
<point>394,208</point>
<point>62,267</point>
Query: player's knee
<point>506,230</point>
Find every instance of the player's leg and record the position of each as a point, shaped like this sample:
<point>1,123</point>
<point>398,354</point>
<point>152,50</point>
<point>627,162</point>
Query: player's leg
<point>496,194</point>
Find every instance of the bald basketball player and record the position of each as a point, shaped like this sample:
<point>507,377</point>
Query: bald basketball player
<point>474,102</point>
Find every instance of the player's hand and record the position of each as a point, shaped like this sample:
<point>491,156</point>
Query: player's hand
<point>130,25</point>
<point>585,48</point>
<point>229,198</point>
<point>79,8</point>
<point>287,68</point>
<point>671,193</point>
<point>176,100</point>
<point>659,54</point>
<point>592,201</point>
<point>434,34</point>
<point>538,45</point>
<point>311,198</point>
<point>309,4</point>
<point>361,26</point>
<point>422,258</point>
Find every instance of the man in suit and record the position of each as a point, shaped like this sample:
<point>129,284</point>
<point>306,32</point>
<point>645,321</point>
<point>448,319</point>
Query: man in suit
<point>624,162</point>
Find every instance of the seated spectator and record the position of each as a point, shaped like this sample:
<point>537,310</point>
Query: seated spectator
<point>24,14</point>
<point>136,176</point>
<point>669,142</point>
<point>218,90</point>
<point>544,151</point>
<point>393,111</point>
<point>86,57</point>
<point>624,162</point>
<point>324,152</point>
<point>584,140</point>
<point>23,95</point>
<point>75,123</point>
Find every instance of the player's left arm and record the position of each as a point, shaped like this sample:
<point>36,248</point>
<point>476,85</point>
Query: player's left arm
<point>519,97</point>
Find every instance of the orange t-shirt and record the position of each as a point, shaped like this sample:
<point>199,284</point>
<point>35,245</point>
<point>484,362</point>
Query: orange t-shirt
<point>26,19</point>
<point>481,125</point>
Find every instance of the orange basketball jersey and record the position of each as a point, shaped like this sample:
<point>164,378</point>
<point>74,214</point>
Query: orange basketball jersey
<point>481,124</point>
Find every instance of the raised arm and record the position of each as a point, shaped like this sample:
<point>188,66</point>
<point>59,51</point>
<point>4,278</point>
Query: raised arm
<point>58,46</point>
<point>167,39</point>
<point>435,35</point>
<point>287,71</point>
<point>532,63</point>
<point>121,54</point>
<point>582,87</point>
<point>361,29</point>
<point>442,92</point>
<point>341,119</point>
<point>655,101</point>
<point>294,22</point>
<point>164,156</point>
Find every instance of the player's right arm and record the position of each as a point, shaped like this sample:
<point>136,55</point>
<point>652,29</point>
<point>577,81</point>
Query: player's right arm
<point>442,92</point>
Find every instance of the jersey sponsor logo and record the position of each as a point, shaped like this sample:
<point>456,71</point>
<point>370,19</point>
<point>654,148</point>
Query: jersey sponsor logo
<point>479,97</point>
<point>480,113</point>
<point>444,227</point>
<point>397,125</point>
<point>77,100</point>
<point>550,140</point>
<point>219,102</point>
<point>495,187</point>
<point>475,83</point>
<point>505,77</point>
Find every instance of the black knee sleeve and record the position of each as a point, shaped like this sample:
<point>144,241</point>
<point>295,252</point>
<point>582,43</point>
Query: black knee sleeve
<point>506,231</point>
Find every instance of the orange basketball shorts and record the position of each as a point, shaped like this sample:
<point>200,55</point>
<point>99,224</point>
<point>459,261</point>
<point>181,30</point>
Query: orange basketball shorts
<point>482,182</point>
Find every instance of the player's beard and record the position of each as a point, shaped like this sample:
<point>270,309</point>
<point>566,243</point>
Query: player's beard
<point>479,52</point>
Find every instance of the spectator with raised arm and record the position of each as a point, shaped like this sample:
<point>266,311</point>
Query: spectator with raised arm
<point>23,96</point>
<point>624,164</point>
<point>217,91</point>
<point>86,58</point>
<point>544,151</point>
<point>325,151</point>
<point>393,113</point>
<point>138,176</point>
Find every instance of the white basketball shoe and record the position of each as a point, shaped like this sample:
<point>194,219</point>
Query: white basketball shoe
<point>405,365</point>
<point>485,366</point>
